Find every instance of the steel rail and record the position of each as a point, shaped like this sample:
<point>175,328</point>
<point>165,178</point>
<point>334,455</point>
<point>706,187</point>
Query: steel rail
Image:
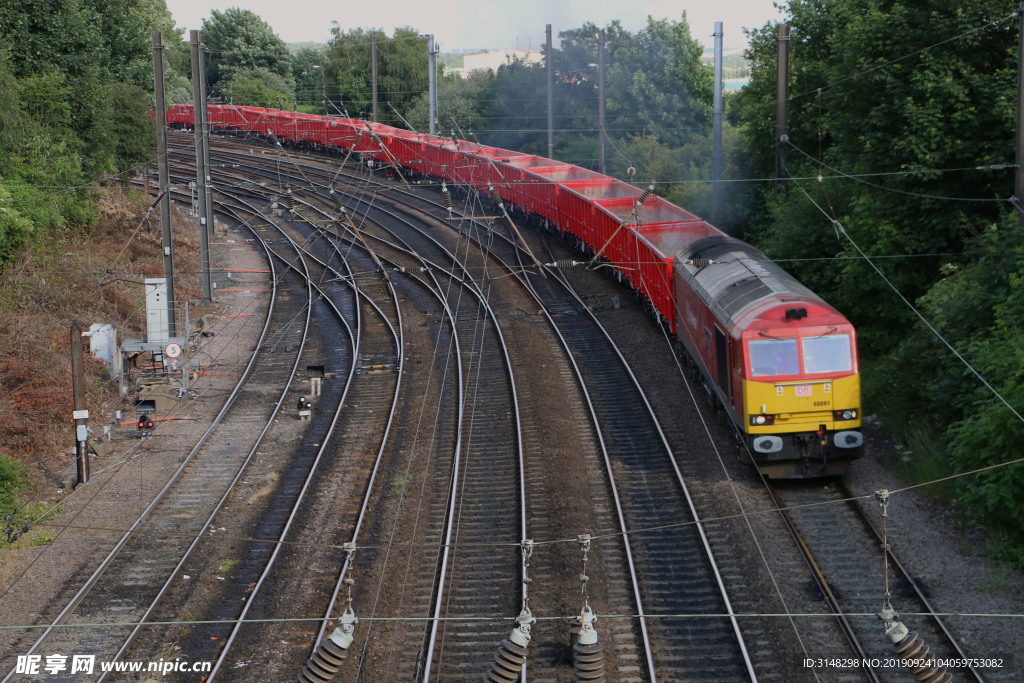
<point>822,582</point>
<point>466,282</point>
<point>234,481</point>
<point>113,553</point>
<point>845,493</point>
<point>679,477</point>
<point>320,452</point>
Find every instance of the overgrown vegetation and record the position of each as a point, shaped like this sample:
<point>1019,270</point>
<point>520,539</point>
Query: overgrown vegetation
<point>12,482</point>
<point>902,130</point>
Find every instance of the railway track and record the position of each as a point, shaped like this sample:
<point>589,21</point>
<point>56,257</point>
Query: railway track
<point>562,312</point>
<point>438,505</point>
<point>850,576</point>
<point>484,504</point>
<point>130,579</point>
<point>664,561</point>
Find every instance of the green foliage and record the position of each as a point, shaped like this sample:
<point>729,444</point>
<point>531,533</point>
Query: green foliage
<point>258,88</point>
<point>458,99</point>
<point>126,27</point>
<point>133,128</point>
<point>75,79</point>
<point>240,41</point>
<point>915,100</point>
<point>658,95</point>
<point>903,117</point>
<point>12,482</point>
<point>309,75</point>
<point>401,71</point>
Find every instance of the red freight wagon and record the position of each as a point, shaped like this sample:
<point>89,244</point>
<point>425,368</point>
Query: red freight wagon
<point>526,192</point>
<point>310,129</point>
<point>341,133</point>
<point>408,149</point>
<point>543,187</point>
<point>577,205</point>
<point>180,115</point>
<point>658,279</point>
<point>441,160</point>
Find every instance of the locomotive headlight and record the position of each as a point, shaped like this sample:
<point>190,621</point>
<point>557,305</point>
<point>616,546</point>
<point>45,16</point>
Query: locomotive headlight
<point>846,414</point>
<point>762,420</point>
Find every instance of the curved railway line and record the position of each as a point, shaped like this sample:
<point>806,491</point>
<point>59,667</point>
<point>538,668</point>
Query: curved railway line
<point>471,401</point>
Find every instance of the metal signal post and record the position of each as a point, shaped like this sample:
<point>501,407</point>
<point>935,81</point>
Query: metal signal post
<point>548,58</point>
<point>716,156</point>
<point>782,110</point>
<point>164,175</point>
<point>201,130</point>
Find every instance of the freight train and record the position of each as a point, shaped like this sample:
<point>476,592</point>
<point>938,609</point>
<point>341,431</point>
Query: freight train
<point>779,360</point>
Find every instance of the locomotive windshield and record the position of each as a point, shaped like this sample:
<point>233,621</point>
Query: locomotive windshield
<point>775,357</point>
<point>772,357</point>
<point>827,354</point>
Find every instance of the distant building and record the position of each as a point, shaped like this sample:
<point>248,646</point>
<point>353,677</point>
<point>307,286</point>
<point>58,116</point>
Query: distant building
<point>492,59</point>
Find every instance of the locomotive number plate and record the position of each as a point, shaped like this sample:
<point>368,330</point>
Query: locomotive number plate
<point>804,390</point>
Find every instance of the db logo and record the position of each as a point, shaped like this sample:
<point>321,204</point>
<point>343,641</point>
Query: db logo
<point>804,390</point>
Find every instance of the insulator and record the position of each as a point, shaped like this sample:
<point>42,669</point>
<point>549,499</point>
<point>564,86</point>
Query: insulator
<point>508,662</point>
<point>647,193</point>
<point>331,652</point>
<point>288,200</point>
<point>587,653</point>
<point>588,662</point>
<point>272,137</point>
<point>631,171</point>
<point>447,197</point>
<point>912,647</point>
<point>511,654</point>
<point>562,263</point>
<point>701,262</point>
<point>336,197</point>
<point>324,664</point>
<point>495,197</point>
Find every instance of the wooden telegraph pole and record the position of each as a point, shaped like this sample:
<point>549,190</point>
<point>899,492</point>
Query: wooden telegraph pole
<point>81,413</point>
<point>782,110</point>
<point>1018,185</point>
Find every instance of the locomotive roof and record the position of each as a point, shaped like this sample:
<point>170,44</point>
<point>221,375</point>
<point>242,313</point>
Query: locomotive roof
<point>738,277</point>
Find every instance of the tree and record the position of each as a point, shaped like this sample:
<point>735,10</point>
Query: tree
<point>258,88</point>
<point>901,112</point>
<point>459,100</point>
<point>309,74</point>
<point>126,28</point>
<point>861,107</point>
<point>401,71</point>
<point>238,39</point>
<point>658,95</point>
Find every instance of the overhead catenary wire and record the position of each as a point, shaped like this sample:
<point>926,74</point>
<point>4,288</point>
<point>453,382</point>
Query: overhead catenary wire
<point>840,229</point>
<point>499,619</point>
<point>863,256</point>
<point>919,195</point>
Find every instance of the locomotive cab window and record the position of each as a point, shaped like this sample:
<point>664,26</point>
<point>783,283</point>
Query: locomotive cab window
<point>773,357</point>
<point>827,354</point>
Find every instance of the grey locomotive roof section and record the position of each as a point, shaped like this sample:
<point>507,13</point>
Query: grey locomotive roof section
<point>739,276</point>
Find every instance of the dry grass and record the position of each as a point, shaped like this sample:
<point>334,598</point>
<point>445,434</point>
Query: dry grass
<point>92,275</point>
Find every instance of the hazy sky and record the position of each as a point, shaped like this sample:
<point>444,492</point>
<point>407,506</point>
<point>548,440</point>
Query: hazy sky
<point>463,24</point>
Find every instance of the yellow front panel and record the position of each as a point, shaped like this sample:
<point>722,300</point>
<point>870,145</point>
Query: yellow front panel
<point>801,406</point>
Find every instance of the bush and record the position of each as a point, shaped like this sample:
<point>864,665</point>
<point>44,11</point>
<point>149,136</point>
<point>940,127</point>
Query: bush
<point>13,480</point>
